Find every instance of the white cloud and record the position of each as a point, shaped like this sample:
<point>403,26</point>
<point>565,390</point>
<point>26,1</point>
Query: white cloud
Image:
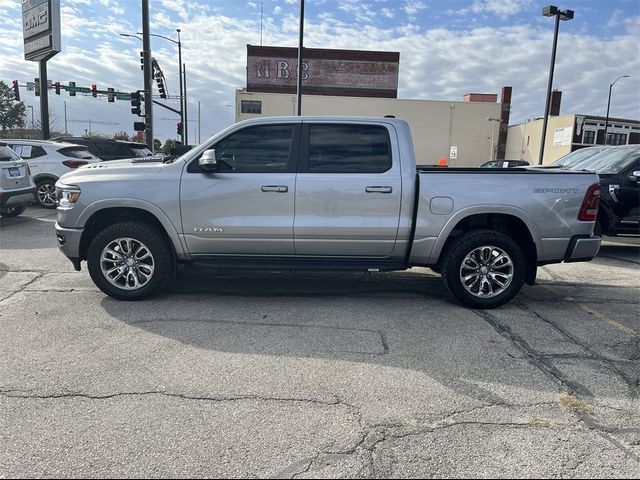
<point>411,7</point>
<point>502,8</point>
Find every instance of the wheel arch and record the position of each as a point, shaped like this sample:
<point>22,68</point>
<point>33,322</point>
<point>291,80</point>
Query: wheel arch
<point>100,218</point>
<point>514,224</point>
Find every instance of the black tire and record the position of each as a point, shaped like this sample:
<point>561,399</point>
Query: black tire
<point>45,193</point>
<point>471,242</point>
<point>10,212</point>
<point>152,239</point>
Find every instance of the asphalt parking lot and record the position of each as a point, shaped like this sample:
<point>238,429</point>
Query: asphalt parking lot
<point>315,375</point>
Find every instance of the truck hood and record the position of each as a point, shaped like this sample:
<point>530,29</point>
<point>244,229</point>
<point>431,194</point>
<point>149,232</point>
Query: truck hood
<point>126,169</point>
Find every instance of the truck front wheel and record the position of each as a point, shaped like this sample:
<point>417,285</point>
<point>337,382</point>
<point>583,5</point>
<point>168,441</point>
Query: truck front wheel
<point>129,260</point>
<point>484,269</point>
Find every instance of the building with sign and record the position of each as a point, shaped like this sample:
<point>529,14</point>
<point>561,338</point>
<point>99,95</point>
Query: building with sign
<point>566,133</point>
<point>365,83</point>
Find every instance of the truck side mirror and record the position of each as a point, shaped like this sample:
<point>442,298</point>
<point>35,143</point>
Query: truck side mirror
<point>634,176</point>
<point>208,161</point>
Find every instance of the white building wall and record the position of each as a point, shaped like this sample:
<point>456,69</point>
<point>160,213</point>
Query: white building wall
<point>436,125</point>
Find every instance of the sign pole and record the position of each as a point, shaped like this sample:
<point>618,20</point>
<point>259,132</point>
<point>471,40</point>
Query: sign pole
<point>44,100</point>
<point>300,56</point>
<point>148,98</point>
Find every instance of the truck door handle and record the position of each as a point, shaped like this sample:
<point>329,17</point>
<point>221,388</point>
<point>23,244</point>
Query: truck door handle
<point>275,188</point>
<point>378,189</point>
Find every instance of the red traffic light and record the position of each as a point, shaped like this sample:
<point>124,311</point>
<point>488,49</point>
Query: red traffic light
<point>179,128</point>
<point>16,90</point>
<point>57,87</point>
<point>94,90</point>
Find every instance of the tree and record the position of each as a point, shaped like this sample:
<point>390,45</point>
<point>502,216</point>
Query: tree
<point>11,112</point>
<point>157,145</point>
<point>121,136</point>
<point>168,145</point>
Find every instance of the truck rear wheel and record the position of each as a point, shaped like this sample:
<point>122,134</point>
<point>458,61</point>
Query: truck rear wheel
<point>484,269</point>
<point>130,260</point>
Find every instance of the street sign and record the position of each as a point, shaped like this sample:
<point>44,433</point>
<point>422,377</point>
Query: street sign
<point>123,96</point>
<point>77,89</point>
<point>453,153</point>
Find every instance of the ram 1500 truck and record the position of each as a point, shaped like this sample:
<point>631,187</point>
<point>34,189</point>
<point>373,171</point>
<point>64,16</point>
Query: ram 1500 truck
<point>330,193</point>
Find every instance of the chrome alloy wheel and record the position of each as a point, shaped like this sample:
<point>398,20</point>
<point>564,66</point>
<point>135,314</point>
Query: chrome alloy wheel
<point>127,263</point>
<point>486,271</point>
<point>47,194</point>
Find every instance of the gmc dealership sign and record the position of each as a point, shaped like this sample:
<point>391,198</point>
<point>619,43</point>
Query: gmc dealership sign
<point>41,28</point>
<point>324,72</point>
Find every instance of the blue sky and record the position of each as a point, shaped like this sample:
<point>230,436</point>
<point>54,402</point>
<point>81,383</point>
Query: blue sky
<point>447,48</point>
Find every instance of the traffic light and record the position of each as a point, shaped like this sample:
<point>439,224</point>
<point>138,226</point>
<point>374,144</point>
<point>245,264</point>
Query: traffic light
<point>139,126</point>
<point>110,95</point>
<point>142,61</point>
<point>57,87</point>
<point>36,81</point>
<point>135,103</point>
<point>161,89</point>
<point>16,90</point>
<point>72,93</point>
<point>94,90</point>
<point>179,128</point>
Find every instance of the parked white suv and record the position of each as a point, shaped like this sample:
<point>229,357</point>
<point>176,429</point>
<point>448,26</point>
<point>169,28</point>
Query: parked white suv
<point>48,161</point>
<point>16,184</point>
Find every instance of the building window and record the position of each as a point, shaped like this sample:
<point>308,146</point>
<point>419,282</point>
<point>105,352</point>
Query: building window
<point>616,138</point>
<point>250,106</point>
<point>589,137</point>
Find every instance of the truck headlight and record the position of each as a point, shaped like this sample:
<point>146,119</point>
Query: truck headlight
<point>67,196</point>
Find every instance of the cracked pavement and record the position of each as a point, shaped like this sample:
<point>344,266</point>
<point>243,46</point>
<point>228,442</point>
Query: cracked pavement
<point>298,375</point>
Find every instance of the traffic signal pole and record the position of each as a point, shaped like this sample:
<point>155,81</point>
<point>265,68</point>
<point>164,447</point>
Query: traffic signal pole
<point>148,99</point>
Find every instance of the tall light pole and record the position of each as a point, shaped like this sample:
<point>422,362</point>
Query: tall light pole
<point>148,98</point>
<point>551,11</point>
<point>606,123</point>
<point>300,57</point>
<point>493,129</point>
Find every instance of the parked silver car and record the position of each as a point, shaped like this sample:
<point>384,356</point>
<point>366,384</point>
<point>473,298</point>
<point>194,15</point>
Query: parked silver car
<point>16,183</point>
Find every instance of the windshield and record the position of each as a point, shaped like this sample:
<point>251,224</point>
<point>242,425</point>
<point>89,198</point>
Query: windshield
<point>571,159</point>
<point>140,152</point>
<point>7,154</point>
<point>609,161</point>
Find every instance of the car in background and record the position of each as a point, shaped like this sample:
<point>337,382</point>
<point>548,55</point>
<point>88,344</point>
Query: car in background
<point>110,149</point>
<point>619,172</point>
<point>48,161</point>
<point>572,158</point>
<point>16,183</point>
<point>504,164</point>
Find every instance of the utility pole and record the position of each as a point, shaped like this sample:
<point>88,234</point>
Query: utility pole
<point>180,79</point>
<point>148,99</point>
<point>185,128</point>
<point>300,57</point>
<point>44,100</point>
<point>199,126</point>
<point>66,132</point>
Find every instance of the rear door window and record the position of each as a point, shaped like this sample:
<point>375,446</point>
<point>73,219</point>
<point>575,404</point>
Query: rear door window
<point>348,149</point>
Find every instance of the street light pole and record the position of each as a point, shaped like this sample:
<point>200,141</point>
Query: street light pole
<point>606,123</point>
<point>551,11</point>
<point>180,78</point>
<point>148,98</point>
<point>493,129</point>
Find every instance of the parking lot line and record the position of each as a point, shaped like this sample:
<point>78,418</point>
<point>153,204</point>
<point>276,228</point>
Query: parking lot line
<point>614,323</point>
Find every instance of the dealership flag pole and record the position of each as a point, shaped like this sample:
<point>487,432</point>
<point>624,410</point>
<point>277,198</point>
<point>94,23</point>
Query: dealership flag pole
<point>300,58</point>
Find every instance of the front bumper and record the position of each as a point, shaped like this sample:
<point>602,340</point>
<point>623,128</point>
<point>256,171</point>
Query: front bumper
<point>582,248</point>
<point>11,198</point>
<point>69,243</point>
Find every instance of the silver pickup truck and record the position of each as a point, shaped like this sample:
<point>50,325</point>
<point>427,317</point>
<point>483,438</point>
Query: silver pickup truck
<point>332,193</point>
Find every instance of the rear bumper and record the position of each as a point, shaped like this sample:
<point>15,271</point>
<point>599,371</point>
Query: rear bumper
<point>69,243</point>
<point>11,198</point>
<point>582,248</point>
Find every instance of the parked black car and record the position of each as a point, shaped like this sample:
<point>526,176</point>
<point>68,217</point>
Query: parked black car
<point>619,171</point>
<point>109,149</point>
